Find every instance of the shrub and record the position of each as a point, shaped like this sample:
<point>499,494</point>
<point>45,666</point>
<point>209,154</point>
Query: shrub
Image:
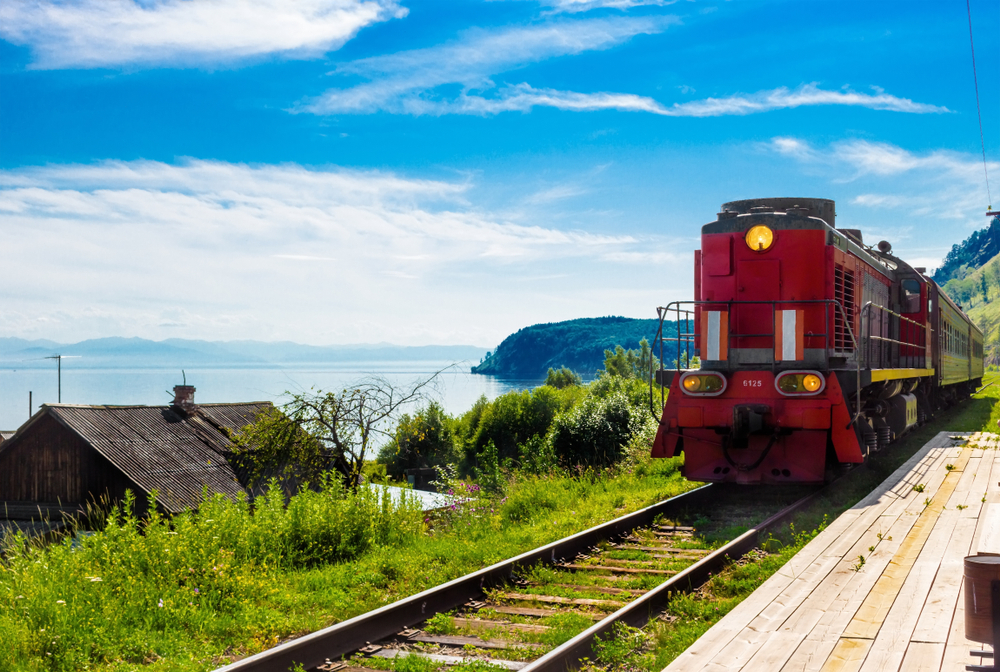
<point>564,377</point>
<point>512,419</point>
<point>424,440</point>
<point>596,431</point>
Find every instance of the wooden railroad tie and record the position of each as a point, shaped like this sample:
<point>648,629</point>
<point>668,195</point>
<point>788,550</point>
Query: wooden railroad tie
<point>464,640</point>
<point>482,624</point>
<point>621,570</point>
<point>601,589</point>
<point>534,611</point>
<point>554,599</point>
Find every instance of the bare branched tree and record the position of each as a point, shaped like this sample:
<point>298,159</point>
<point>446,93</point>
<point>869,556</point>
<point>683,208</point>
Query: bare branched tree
<point>317,431</point>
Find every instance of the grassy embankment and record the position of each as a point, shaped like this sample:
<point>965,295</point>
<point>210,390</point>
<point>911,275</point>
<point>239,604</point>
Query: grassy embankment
<point>195,591</point>
<point>192,592</point>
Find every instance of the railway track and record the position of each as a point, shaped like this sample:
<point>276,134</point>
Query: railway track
<point>542,610</point>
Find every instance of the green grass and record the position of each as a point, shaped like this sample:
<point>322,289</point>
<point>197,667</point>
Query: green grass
<point>233,583</point>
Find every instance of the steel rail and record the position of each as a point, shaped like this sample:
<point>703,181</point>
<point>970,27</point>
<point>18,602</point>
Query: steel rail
<point>638,612</point>
<point>314,649</point>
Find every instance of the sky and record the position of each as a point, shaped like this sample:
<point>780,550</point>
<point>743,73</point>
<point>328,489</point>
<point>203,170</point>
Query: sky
<point>360,171</point>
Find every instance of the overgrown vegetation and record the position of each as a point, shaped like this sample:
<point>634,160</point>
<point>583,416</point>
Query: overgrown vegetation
<point>192,591</point>
<point>560,425</point>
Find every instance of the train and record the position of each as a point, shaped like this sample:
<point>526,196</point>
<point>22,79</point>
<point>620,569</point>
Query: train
<point>816,350</point>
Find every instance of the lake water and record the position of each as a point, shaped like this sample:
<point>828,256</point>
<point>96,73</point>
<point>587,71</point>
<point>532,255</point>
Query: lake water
<point>456,389</point>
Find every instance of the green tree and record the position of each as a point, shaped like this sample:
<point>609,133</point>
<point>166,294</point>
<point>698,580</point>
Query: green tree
<point>628,363</point>
<point>319,430</point>
<point>982,283</point>
<point>564,377</point>
<point>425,439</point>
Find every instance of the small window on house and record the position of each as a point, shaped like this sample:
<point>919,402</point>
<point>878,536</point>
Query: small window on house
<point>911,296</point>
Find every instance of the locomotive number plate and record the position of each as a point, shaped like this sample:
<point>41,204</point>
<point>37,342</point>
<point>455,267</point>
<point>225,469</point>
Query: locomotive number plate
<point>753,383</point>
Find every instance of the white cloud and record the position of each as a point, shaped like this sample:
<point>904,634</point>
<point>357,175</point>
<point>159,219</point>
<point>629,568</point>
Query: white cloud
<point>523,97</point>
<point>806,95</point>
<point>914,199</point>
<point>405,83</point>
<point>314,255</point>
<point>574,6</point>
<point>397,81</point>
<point>113,33</point>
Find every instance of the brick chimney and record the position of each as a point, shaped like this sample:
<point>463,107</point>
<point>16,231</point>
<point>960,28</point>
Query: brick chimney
<point>184,397</point>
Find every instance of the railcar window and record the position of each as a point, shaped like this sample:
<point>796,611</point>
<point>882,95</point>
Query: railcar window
<point>911,296</point>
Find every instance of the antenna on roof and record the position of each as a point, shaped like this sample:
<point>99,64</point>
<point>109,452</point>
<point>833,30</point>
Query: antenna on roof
<point>59,358</point>
<point>184,377</point>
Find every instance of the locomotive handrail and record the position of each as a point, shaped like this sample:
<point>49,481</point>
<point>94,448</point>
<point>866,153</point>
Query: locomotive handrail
<point>867,336</point>
<point>662,313</point>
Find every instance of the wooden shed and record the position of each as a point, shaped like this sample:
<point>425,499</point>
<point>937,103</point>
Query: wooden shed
<point>67,455</point>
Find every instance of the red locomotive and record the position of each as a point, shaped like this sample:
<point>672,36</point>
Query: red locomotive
<point>815,349</point>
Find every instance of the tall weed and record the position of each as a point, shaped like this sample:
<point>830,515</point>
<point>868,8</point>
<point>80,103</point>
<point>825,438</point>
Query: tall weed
<point>130,591</point>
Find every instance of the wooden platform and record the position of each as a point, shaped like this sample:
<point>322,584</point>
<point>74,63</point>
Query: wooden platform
<point>902,608</point>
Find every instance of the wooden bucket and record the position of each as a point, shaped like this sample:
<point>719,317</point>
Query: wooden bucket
<point>980,571</point>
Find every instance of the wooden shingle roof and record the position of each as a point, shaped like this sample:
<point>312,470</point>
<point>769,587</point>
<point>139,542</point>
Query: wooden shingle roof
<point>161,448</point>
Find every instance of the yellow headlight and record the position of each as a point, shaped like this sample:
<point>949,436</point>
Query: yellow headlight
<point>759,238</point>
<point>811,382</point>
<point>692,383</point>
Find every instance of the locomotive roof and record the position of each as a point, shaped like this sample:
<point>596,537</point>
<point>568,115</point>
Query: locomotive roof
<point>787,214</point>
<point>797,219</point>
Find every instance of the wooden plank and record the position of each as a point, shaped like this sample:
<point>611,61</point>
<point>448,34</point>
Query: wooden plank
<point>848,655</point>
<point>449,660</point>
<point>989,538</point>
<point>939,609</point>
<point>980,484</point>
<point>555,599</point>
<point>886,652</point>
<point>662,549</point>
<point>923,657</point>
<point>824,619</point>
<point>962,493</point>
<point>873,611</point>
<point>620,570</point>
<point>599,589</point>
<point>481,624</point>
<point>895,480</point>
<point>956,651</point>
<point>540,612</point>
<point>478,642</point>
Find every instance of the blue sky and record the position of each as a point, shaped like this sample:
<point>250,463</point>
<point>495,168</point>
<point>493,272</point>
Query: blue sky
<point>343,171</point>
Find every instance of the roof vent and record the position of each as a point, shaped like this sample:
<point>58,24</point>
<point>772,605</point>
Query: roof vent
<point>922,270</point>
<point>184,397</point>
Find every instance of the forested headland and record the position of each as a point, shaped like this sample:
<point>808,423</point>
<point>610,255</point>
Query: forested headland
<point>578,345</point>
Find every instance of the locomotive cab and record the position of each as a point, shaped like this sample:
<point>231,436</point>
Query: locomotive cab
<point>815,349</point>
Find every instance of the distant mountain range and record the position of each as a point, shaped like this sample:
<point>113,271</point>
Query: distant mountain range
<point>575,344</point>
<point>116,352</point>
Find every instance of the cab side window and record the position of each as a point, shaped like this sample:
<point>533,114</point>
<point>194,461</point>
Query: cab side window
<point>911,296</point>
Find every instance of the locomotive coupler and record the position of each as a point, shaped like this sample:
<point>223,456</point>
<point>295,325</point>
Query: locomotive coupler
<point>747,419</point>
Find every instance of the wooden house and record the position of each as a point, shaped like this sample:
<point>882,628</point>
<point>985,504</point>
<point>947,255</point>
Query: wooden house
<point>67,455</point>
